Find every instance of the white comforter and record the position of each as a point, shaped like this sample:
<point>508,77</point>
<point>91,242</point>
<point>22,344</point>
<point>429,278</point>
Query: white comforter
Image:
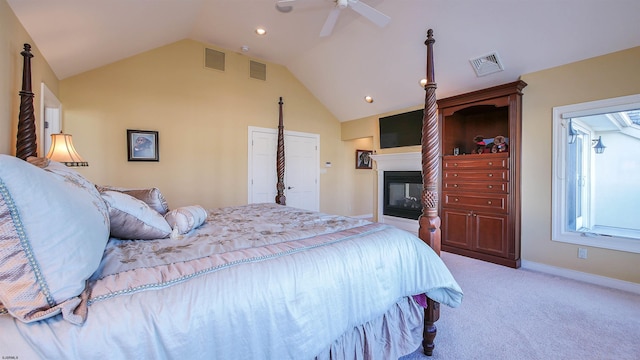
<point>254,282</point>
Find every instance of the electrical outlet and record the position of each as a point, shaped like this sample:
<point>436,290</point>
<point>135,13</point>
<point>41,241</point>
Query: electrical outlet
<point>582,253</point>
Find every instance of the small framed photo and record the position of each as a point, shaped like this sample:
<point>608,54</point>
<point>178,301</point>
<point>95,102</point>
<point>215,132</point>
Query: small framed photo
<point>142,145</point>
<point>363,159</point>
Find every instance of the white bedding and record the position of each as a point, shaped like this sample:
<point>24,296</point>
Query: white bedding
<point>254,282</point>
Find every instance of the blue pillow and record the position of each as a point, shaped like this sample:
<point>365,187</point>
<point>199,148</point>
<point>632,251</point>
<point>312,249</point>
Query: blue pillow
<point>54,227</point>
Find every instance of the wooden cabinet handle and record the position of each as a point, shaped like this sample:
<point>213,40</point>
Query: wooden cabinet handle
<point>455,175</point>
<point>490,186</point>
<point>456,199</point>
<point>455,164</point>
<point>455,185</point>
<point>490,163</point>
<point>490,175</point>
<point>489,202</point>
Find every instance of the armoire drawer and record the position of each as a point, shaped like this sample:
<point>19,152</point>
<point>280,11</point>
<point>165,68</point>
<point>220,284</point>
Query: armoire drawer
<point>492,161</point>
<point>488,202</point>
<point>476,175</point>
<point>479,186</point>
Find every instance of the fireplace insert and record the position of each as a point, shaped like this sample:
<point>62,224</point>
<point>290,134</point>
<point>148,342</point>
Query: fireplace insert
<point>402,194</point>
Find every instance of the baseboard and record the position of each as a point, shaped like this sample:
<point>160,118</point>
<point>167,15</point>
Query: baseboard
<point>364,216</point>
<point>582,276</point>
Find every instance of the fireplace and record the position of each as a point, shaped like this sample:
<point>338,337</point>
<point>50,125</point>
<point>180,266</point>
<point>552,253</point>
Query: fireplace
<point>407,162</point>
<point>402,193</point>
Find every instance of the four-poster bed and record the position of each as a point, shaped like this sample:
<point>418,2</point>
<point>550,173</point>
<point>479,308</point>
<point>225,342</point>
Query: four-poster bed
<point>254,281</point>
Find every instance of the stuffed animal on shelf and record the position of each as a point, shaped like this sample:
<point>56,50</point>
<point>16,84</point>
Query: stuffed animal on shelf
<point>480,144</point>
<point>499,145</point>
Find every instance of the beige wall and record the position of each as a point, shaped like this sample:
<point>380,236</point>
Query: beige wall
<point>599,78</point>
<point>202,116</point>
<point>12,39</point>
<point>367,128</point>
<point>360,181</point>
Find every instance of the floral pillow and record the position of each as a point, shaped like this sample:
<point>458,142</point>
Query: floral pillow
<point>134,219</point>
<point>187,218</point>
<point>152,196</point>
<point>53,231</point>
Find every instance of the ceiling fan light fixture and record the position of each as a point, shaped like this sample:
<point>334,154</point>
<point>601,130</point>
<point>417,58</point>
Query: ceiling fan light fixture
<point>371,14</point>
<point>283,8</point>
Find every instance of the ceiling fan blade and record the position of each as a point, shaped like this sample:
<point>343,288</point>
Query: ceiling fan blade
<point>370,13</point>
<point>327,28</point>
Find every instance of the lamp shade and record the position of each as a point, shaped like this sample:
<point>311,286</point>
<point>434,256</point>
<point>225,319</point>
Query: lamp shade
<point>62,151</point>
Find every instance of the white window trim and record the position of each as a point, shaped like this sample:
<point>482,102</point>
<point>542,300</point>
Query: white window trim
<point>561,116</point>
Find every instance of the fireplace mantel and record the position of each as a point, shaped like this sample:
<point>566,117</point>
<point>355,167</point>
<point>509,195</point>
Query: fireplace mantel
<point>409,161</point>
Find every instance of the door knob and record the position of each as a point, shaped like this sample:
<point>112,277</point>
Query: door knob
<point>289,187</point>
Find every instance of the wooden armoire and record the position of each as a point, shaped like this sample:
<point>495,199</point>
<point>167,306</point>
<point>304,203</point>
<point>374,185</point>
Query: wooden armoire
<point>480,189</point>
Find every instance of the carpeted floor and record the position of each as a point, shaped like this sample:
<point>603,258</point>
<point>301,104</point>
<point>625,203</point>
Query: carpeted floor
<point>521,314</point>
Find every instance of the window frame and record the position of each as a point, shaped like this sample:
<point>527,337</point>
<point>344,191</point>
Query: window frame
<point>561,117</point>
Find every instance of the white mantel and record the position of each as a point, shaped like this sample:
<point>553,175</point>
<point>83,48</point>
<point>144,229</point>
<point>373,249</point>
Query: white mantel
<point>410,161</point>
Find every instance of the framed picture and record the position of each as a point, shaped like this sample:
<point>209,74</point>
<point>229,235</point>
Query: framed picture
<point>363,159</point>
<point>142,145</point>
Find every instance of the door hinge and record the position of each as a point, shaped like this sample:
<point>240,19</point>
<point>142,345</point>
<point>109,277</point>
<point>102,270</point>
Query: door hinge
<point>46,124</point>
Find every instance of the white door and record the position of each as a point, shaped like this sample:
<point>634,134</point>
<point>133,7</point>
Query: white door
<point>262,166</point>
<point>302,158</point>
<point>50,110</point>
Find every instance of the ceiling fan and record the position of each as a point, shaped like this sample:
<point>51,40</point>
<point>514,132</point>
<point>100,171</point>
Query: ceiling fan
<point>361,8</point>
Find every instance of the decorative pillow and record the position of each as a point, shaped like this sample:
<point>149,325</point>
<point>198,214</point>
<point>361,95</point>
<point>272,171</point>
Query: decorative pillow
<point>186,218</point>
<point>152,196</point>
<point>133,219</point>
<point>53,233</point>
<point>41,162</point>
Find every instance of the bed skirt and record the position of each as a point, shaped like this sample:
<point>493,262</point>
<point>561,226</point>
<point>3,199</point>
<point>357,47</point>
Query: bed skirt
<point>396,333</point>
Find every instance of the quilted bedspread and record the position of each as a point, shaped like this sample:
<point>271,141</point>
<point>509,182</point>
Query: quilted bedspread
<point>255,281</point>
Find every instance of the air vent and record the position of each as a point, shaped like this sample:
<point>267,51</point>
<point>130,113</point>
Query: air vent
<point>214,59</point>
<point>487,64</point>
<point>257,70</point>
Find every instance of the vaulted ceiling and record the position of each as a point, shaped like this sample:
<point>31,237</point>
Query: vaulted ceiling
<point>358,58</point>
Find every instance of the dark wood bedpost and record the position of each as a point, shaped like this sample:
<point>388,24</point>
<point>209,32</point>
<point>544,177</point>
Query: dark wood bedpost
<point>26,138</point>
<point>429,220</point>
<point>280,198</point>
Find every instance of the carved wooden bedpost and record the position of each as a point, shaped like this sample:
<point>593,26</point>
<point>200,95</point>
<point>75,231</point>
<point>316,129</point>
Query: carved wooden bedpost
<point>429,220</point>
<point>26,138</point>
<point>280,198</point>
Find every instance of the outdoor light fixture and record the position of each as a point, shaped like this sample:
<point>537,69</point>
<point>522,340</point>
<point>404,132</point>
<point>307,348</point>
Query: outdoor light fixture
<point>598,147</point>
<point>572,134</point>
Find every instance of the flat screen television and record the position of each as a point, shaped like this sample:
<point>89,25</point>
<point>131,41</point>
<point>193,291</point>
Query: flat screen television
<point>401,130</point>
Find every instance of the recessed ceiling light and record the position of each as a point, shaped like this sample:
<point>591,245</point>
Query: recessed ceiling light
<point>261,31</point>
<point>368,99</point>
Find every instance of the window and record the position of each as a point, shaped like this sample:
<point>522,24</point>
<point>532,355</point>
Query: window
<point>596,196</point>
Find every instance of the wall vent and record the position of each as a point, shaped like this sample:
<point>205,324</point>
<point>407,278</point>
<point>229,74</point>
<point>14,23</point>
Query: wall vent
<point>257,70</point>
<point>487,64</point>
<point>214,59</point>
